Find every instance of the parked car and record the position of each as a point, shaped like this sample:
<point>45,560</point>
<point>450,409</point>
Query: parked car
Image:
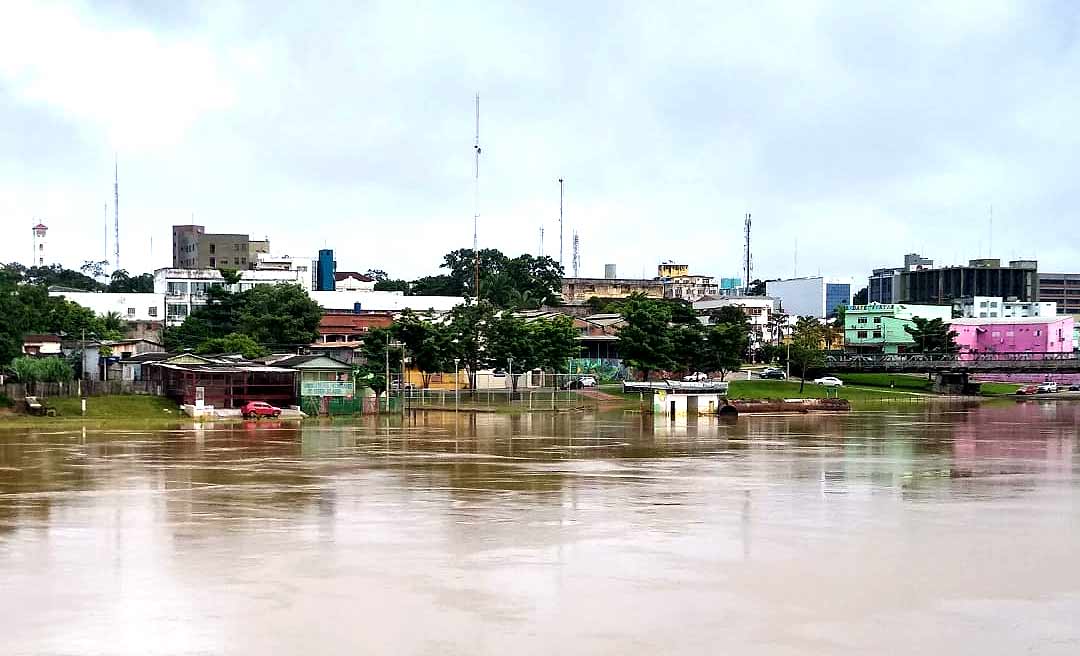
<point>1028,390</point>
<point>257,409</point>
<point>1075,387</point>
<point>696,377</point>
<point>829,381</point>
<point>578,383</point>
<point>772,373</point>
<point>1048,388</point>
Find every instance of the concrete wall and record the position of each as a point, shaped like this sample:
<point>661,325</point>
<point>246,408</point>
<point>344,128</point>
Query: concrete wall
<point>799,296</point>
<point>147,307</point>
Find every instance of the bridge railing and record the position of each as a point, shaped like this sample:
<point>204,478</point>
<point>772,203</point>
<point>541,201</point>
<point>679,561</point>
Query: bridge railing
<point>914,358</point>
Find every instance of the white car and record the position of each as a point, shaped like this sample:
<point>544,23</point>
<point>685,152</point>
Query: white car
<point>696,377</point>
<point>829,381</point>
<point>1048,388</point>
<point>587,381</point>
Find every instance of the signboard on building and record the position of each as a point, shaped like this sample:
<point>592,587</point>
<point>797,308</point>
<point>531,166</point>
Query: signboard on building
<point>326,388</point>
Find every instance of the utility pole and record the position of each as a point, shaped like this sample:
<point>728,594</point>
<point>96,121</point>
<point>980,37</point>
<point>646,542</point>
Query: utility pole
<point>561,223</point>
<point>476,204</point>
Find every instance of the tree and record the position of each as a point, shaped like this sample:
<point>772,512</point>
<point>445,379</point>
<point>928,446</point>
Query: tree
<point>862,297</point>
<point>541,344</point>
<point>724,346</point>
<point>233,343</point>
<point>555,342</point>
<point>441,285</point>
<point>682,312</point>
<point>805,347</point>
<point>377,274</point>
<point>427,344</point>
<point>688,347</point>
<point>278,314</point>
<point>230,276</point>
<point>538,279</point>
<point>931,336</point>
<point>49,370</point>
<point>112,323</point>
<point>644,342</point>
<point>374,360</point>
<point>468,324</point>
<point>94,269</point>
<point>48,276</point>
<point>392,286</point>
<point>122,282</point>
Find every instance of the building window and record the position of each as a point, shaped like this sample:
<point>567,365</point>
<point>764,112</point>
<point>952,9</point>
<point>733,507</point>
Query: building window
<point>213,262</point>
<point>174,311</point>
<point>862,319</point>
<point>152,311</point>
<point>982,315</point>
<point>877,334</point>
<point>1038,333</point>
<point>982,304</point>
<point>995,333</point>
<point>877,319</point>
<point>862,334</point>
<point>213,248</point>
<point>236,260</point>
<point>177,288</point>
<point>236,247</point>
<point>1009,333</point>
<point>131,312</point>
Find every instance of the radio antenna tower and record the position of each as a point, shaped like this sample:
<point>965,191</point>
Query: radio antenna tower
<point>576,261</point>
<point>560,222</point>
<point>747,262</point>
<point>116,210</point>
<point>476,204</point>
<point>541,254</point>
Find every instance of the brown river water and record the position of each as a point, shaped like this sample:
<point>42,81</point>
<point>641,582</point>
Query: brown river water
<point>906,530</point>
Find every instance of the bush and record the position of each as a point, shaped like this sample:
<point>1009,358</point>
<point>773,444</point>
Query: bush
<point>49,370</point>
<point>5,402</point>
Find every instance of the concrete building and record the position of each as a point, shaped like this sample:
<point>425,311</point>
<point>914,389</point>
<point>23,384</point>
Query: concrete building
<point>1061,288</point>
<point>43,345</point>
<point>360,302</point>
<point>352,281</point>
<point>880,327</point>
<point>145,307</point>
<point>995,307</point>
<point>185,290</point>
<point>299,265</point>
<point>194,248</point>
<point>1017,335</point>
<point>884,284</point>
<point>577,291</point>
<point>811,296</point>
<point>982,277</point>
<point>671,270</point>
<point>690,288</point>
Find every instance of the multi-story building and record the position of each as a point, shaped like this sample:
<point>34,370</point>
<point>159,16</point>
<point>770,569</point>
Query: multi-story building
<point>301,265</point>
<point>690,288</point>
<point>759,310</point>
<point>983,277</point>
<point>1063,289</point>
<point>1016,335</point>
<point>995,307</point>
<point>185,290</point>
<point>577,291</point>
<point>813,296</point>
<point>884,285</point>
<point>671,270</point>
<point>880,327</point>
<point>352,281</point>
<point>194,248</point>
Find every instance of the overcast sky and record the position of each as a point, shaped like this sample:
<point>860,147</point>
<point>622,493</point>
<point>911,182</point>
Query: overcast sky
<point>859,131</point>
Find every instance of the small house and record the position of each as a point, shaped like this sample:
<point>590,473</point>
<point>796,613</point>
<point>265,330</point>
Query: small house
<point>324,384</point>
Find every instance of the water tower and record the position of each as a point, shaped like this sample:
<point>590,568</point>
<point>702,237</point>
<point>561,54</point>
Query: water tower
<point>40,256</point>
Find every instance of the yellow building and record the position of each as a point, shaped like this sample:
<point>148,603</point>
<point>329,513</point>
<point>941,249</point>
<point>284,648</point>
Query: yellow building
<point>671,270</point>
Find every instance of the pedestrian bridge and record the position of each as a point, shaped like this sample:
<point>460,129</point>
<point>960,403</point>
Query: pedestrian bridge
<point>968,363</point>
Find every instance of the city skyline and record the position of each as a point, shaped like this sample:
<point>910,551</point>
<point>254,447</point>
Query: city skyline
<point>895,132</point>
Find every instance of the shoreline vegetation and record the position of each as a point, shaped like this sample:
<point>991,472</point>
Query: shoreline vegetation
<point>861,390</point>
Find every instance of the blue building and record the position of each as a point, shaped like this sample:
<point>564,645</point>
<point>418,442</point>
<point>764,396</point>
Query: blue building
<point>836,294</point>
<point>730,283</point>
<point>327,267</point>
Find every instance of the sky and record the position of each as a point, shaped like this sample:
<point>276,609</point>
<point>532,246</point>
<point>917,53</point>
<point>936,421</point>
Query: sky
<point>852,132</point>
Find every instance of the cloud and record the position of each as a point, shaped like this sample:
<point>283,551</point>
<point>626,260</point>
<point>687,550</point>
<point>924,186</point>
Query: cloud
<point>860,131</point>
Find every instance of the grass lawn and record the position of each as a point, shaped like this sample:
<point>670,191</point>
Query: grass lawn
<point>999,389</point>
<point>903,382</point>
<point>102,410</point>
<point>782,389</point>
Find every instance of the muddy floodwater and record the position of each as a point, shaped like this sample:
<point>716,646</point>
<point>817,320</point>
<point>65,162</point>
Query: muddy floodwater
<point>905,530</point>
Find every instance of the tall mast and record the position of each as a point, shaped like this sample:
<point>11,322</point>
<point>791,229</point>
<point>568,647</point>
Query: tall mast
<point>747,262</point>
<point>476,204</point>
<point>116,210</point>
<point>561,224</point>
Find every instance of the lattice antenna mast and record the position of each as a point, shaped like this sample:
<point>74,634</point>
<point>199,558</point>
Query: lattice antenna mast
<point>747,261</point>
<point>541,253</point>
<point>576,261</point>
<point>116,211</point>
<point>476,204</point>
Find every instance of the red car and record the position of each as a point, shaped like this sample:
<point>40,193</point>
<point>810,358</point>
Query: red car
<point>256,409</point>
<point>1028,389</point>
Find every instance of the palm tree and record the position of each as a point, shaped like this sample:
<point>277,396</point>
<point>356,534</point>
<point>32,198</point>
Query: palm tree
<point>112,322</point>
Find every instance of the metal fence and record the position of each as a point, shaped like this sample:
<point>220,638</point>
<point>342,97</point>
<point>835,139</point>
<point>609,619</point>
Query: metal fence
<point>553,392</point>
<point>79,388</point>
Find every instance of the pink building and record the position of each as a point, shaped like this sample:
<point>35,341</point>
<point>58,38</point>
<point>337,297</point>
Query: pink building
<point>1015,335</point>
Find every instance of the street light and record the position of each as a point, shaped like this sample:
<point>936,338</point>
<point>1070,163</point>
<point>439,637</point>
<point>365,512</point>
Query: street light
<point>457,386</point>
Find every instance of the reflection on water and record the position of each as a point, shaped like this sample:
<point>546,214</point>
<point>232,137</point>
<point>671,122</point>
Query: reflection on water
<point>917,530</point>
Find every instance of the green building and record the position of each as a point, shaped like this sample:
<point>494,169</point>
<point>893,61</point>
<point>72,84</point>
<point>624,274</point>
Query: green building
<point>879,327</point>
<point>324,385</point>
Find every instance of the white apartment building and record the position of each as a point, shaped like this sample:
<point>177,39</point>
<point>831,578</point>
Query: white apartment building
<point>690,287</point>
<point>130,307</point>
<point>186,289</point>
<point>995,307</point>
<point>383,301</point>
<point>758,309</point>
